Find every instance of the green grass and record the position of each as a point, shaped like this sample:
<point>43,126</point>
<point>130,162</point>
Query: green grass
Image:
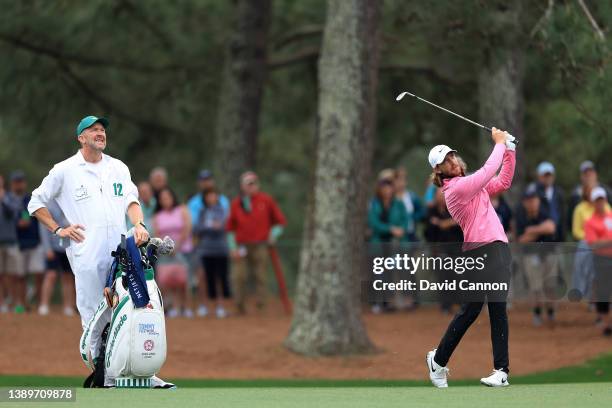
<point>542,395</point>
<point>593,371</point>
<point>586,385</point>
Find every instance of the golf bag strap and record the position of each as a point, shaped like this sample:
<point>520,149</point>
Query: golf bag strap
<point>85,343</point>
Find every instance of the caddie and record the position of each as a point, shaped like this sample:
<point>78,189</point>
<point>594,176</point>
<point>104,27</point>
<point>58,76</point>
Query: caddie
<point>94,191</point>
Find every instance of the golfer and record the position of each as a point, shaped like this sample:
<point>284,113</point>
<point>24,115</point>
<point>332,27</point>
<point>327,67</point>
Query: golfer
<point>468,202</point>
<point>94,191</point>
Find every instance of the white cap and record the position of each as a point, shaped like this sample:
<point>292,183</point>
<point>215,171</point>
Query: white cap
<point>545,168</point>
<point>598,192</point>
<point>438,154</point>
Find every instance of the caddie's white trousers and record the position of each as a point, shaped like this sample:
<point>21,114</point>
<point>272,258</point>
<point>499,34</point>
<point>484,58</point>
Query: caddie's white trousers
<point>90,261</point>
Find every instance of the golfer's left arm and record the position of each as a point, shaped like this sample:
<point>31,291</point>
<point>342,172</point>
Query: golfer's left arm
<point>503,180</point>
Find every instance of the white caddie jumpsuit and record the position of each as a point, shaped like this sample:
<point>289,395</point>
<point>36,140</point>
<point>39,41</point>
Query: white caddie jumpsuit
<point>96,196</point>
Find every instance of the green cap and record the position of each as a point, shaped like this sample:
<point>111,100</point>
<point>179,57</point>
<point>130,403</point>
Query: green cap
<point>87,121</point>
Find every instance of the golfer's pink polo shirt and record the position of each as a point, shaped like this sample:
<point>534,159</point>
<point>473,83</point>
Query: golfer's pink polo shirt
<point>468,202</point>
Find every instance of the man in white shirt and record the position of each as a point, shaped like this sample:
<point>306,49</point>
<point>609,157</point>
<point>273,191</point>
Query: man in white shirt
<point>94,191</point>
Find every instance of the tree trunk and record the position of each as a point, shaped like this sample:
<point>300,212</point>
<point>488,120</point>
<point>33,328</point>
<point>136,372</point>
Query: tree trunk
<point>327,319</point>
<point>241,93</point>
<point>500,88</point>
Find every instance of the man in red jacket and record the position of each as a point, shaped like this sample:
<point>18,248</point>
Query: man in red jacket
<point>255,221</point>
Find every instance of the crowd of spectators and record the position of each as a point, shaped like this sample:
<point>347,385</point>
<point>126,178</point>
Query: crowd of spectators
<point>209,232</point>
<point>543,214</point>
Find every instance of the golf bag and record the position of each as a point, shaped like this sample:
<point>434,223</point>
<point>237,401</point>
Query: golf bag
<point>134,344</point>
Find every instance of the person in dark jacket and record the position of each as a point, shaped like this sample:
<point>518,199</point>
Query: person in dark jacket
<point>212,246</point>
<point>551,198</point>
<point>32,253</point>
<point>444,231</point>
<point>504,212</point>
<point>9,250</point>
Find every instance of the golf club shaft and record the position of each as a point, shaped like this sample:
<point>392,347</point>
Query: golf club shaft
<point>400,96</point>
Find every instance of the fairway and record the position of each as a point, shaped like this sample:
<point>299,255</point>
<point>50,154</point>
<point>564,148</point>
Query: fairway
<point>558,396</point>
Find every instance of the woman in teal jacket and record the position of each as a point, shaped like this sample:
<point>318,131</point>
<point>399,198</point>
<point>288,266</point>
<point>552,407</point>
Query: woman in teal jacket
<point>387,215</point>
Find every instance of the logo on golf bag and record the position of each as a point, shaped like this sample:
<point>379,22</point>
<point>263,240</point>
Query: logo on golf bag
<point>147,328</point>
<point>149,345</point>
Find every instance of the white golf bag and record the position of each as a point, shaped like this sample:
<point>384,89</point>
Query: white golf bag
<point>135,343</point>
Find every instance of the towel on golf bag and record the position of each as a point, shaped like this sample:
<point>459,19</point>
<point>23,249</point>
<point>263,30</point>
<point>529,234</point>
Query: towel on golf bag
<point>136,343</point>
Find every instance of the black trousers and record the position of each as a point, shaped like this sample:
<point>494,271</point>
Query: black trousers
<point>602,283</point>
<point>499,263</point>
<point>216,270</point>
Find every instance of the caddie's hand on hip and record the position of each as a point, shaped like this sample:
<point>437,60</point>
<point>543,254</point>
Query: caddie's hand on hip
<point>73,232</point>
<point>141,235</point>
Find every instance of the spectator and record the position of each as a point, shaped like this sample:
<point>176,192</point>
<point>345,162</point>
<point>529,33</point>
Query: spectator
<point>598,233</point>
<point>387,220</point>
<point>430,194</point>
<point>504,213</point>
<point>540,264</point>
<point>9,249</point>
<point>414,208</point>
<point>158,178</point>
<point>584,271</point>
<point>32,254</point>
<point>212,246</point>
<point>255,221</point>
<point>442,229</point>
<point>196,203</point>
<point>195,206</point>
<point>387,216</point>
<point>57,263</point>
<point>148,204</point>
<point>551,197</point>
<point>172,219</point>
<point>588,180</point>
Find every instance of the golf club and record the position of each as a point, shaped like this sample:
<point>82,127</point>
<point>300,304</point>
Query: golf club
<point>401,96</point>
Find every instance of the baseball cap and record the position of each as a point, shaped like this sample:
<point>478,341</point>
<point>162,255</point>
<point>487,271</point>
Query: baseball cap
<point>587,165</point>
<point>87,121</point>
<point>386,174</point>
<point>438,154</point>
<point>545,168</point>
<point>17,175</point>
<point>598,192</point>
<point>530,192</point>
<point>205,175</point>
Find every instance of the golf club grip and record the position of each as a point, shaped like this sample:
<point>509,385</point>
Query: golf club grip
<point>515,141</point>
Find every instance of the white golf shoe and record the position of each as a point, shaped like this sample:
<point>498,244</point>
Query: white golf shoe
<point>157,382</point>
<point>437,373</point>
<point>498,378</point>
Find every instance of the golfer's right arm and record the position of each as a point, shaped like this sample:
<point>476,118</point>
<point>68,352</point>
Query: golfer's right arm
<point>37,207</point>
<point>467,187</point>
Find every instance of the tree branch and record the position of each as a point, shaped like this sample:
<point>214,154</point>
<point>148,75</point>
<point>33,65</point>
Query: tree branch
<point>297,35</point>
<point>144,20</point>
<point>588,14</point>
<point>421,70</point>
<point>545,17</point>
<point>306,54</point>
<point>108,106</point>
<point>88,60</point>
